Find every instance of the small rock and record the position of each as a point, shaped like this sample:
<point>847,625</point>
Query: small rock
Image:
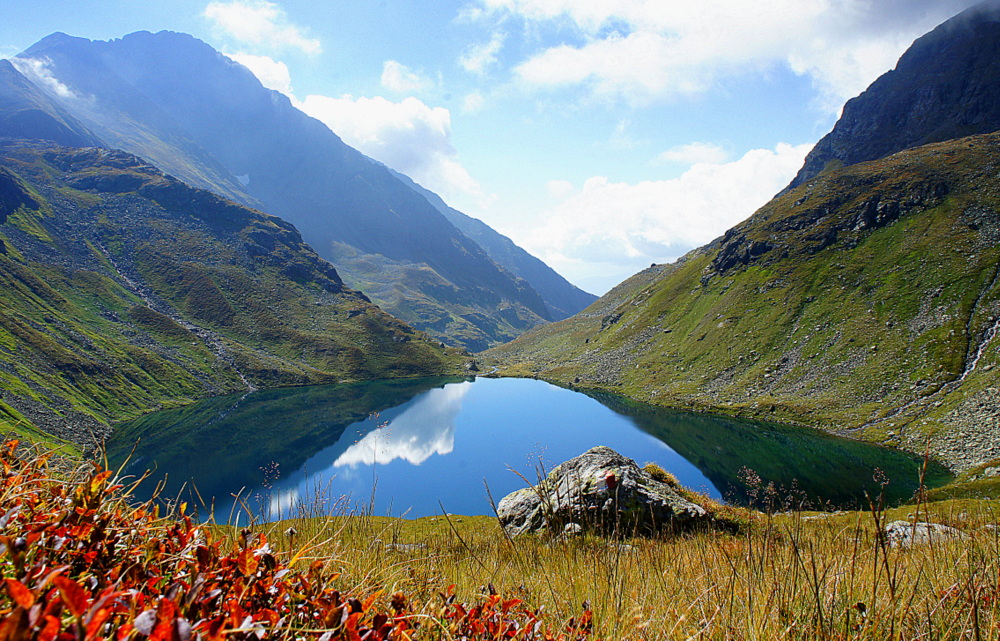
<point>906,534</point>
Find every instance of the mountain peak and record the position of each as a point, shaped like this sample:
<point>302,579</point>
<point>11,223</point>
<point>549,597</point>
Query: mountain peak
<point>945,86</point>
<point>53,40</point>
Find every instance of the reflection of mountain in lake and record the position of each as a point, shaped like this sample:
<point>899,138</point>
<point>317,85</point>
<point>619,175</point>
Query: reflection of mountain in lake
<point>814,463</point>
<point>417,447</point>
<point>253,437</point>
<point>410,433</point>
<point>427,427</point>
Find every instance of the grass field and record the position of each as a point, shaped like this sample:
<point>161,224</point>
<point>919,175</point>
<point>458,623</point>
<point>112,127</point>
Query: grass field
<point>79,561</point>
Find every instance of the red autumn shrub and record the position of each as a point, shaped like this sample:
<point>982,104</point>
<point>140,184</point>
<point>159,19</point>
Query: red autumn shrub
<point>79,562</point>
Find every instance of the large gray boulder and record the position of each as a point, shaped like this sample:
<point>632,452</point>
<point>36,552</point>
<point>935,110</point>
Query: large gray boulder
<point>603,491</point>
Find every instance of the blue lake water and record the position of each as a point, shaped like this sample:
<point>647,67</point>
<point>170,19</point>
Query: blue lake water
<point>420,447</point>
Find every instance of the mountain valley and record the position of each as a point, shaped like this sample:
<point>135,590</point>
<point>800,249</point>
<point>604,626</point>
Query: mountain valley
<point>205,119</point>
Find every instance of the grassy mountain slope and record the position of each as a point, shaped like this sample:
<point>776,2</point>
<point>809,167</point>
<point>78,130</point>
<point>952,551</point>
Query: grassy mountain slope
<point>195,113</point>
<point>125,290</point>
<point>863,301</point>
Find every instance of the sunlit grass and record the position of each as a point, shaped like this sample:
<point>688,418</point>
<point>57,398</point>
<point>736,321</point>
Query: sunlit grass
<point>792,575</point>
<point>788,575</point>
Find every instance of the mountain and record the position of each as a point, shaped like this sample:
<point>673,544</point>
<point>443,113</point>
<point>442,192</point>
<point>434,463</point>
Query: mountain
<point>25,112</point>
<point>864,299</point>
<point>562,298</point>
<point>126,290</point>
<point>943,87</point>
<point>205,119</point>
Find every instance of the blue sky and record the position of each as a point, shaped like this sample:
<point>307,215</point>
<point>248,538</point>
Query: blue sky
<point>602,135</point>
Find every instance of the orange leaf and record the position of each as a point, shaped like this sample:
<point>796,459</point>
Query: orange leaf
<point>15,626</point>
<point>98,481</point>
<point>72,595</point>
<point>166,610</point>
<point>96,623</point>
<point>20,593</point>
<point>50,629</point>
<point>247,562</point>
<point>351,625</point>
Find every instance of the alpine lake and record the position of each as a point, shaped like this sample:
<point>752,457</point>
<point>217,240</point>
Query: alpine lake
<point>420,447</point>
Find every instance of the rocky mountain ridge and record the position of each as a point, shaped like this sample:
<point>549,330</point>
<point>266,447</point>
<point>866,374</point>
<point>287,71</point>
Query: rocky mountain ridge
<point>944,87</point>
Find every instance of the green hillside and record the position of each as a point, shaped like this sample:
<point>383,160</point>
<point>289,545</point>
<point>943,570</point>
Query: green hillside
<point>864,301</point>
<point>127,291</point>
<point>196,114</point>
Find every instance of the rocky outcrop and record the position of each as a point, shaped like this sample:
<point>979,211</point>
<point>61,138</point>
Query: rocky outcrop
<point>944,87</point>
<point>602,491</point>
<point>859,205</point>
<point>12,195</point>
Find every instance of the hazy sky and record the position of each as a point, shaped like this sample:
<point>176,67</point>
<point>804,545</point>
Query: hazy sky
<point>601,135</point>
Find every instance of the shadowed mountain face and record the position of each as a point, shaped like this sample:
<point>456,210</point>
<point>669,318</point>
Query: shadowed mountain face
<point>25,112</point>
<point>864,298</point>
<point>562,298</point>
<point>198,115</point>
<point>126,290</point>
<point>944,87</point>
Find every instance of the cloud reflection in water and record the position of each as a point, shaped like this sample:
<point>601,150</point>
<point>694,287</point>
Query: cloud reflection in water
<point>424,429</point>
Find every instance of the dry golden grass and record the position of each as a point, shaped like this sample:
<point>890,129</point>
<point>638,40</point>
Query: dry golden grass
<point>786,576</point>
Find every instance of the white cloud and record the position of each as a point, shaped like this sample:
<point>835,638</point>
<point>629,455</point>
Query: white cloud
<point>638,66</point>
<point>644,50</point>
<point>401,79</point>
<point>473,102</point>
<point>559,189</point>
<point>614,229</point>
<point>408,136</point>
<point>695,152</point>
<point>621,139</point>
<point>259,23</point>
<point>39,71</point>
<point>479,58</point>
<point>273,74</point>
